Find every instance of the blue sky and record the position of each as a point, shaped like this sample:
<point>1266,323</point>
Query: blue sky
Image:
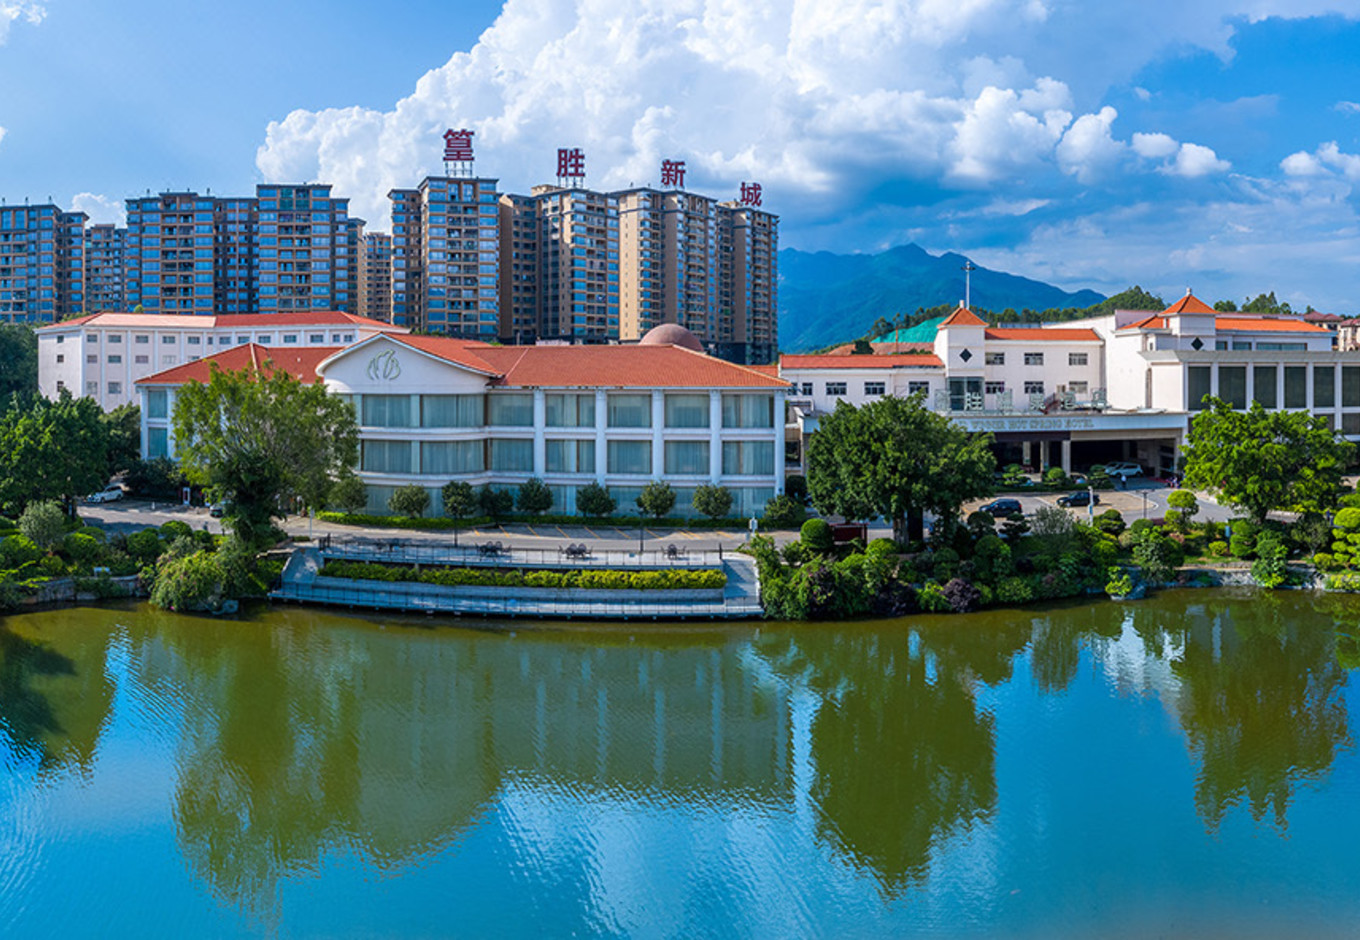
<point>1212,144</point>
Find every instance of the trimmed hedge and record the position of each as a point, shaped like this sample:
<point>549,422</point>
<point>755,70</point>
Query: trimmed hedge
<point>443,522</point>
<point>603,579</point>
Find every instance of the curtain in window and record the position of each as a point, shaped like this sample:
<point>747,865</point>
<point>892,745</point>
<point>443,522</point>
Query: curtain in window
<point>450,457</point>
<point>570,411</point>
<point>1324,386</point>
<point>510,410</point>
<point>386,456</point>
<point>686,411</point>
<point>156,403</point>
<point>749,411</point>
<point>630,411</point>
<point>630,456</point>
<point>512,456</point>
<point>566,456</point>
<point>687,457</point>
<point>157,443</point>
<point>387,411</point>
<point>452,411</point>
<point>748,458</point>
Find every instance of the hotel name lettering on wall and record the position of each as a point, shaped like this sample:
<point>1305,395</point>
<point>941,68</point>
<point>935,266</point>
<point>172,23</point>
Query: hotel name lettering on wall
<point>384,367</point>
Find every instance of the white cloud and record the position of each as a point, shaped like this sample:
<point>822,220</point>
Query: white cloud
<point>100,209</point>
<point>1194,160</point>
<point>1347,107</point>
<point>13,11</point>
<point>1087,149</point>
<point>1154,146</point>
<point>1328,161</point>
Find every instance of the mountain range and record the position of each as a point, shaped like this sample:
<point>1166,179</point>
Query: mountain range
<point>826,298</point>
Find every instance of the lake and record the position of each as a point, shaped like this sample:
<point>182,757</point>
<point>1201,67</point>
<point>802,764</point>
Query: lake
<point>1179,766</point>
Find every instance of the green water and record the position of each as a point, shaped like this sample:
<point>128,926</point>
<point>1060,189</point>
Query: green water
<point>1182,766</point>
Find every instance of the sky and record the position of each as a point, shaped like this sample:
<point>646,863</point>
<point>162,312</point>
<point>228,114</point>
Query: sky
<point>1209,144</point>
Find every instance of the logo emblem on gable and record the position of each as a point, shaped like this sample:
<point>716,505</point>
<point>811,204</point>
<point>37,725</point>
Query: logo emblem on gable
<point>384,367</point>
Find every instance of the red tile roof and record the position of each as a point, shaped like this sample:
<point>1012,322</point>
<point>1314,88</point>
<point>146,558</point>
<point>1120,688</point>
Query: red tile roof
<point>823,361</point>
<point>233,321</point>
<point>631,366</point>
<point>1154,322</point>
<point>1268,325</point>
<point>1189,304</point>
<point>300,363</point>
<point>1054,334</point>
<point>962,317</point>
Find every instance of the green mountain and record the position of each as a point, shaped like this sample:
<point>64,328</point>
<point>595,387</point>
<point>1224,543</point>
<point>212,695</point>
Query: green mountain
<point>826,298</point>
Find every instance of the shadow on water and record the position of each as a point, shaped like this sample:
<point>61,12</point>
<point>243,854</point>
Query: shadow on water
<point>27,716</point>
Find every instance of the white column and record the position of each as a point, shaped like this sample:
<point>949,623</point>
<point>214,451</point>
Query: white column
<point>714,436</point>
<point>170,395</point>
<point>1066,451</point>
<point>778,443</point>
<point>601,421</point>
<point>1308,388</point>
<point>1025,453</point>
<point>658,433</point>
<point>1279,386</point>
<point>540,436</point>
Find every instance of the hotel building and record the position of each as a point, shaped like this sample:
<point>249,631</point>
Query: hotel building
<point>42,271</point>
<point>433,409</point>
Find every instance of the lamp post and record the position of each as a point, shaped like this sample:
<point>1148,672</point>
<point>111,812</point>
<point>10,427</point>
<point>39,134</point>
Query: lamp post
<point>1144,504</point>
<point>642,530</point>
<point>1091,503</point>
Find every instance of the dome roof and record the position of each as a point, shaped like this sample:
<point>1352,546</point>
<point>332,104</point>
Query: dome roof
<point>671,334</point>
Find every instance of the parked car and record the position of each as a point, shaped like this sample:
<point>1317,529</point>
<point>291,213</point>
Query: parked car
<point>1124,469</point>
<point>1079,498</point>
<point>108,494</point>
<point>1003,508</point>
<point>217,509</point>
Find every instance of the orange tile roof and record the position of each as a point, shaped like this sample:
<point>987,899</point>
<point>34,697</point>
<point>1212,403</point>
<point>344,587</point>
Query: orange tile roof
<point>1189,304</point>
<point>463,352</point>
<point>771,369</point>
<point>1054,334</point>
<point>1154,322</point>
<point>823,361</point>
<point>1268,325</point>
<point>300,363</point>
<point>962,317</point>
<point>234,321</point>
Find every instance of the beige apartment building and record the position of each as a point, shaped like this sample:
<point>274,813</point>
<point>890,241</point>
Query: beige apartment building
<point>374,275</point>
<point>748,294</point>
<point>668,263</point>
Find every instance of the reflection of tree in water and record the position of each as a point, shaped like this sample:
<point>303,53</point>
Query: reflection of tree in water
<point>53,701</point>
<point>1261,703</point>
<point>1055,652</point>
<point>903,759</point>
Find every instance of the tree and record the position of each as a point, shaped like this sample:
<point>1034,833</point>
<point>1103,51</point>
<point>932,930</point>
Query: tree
<point>18,360</point>
<point>495,503</point>
<point>594,500</point>
<point>1184,500</point>
<point>410,500</point>
<point>1259,460</point>
<point>348,494</point>
<point>657,499</point>
<point>712,501</point>
<point>896,459</point>
<point>460,500</point>
<point>159,478</point>
<point>123,429</point>
<point>1226,306</point>
<point>51,450</point>
<point>259,438</point>
<point>44,524</point>
<point>534,496</point>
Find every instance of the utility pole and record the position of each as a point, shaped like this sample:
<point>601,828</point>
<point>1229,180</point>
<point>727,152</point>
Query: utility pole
<point>968,269</point>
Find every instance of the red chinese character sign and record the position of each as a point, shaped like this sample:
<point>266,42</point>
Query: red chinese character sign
<point>571,165</point>
<point>673,173</point>
<point>750,194</point>
<point>458,149</point>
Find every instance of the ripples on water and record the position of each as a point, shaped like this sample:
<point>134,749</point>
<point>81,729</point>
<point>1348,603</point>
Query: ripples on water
<point>1184,765</point>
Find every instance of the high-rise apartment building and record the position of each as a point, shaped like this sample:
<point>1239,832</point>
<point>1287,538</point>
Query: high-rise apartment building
<point>668,263</point>
<point>519,268</point>
<point>42,272</point>
<point>575,238</point>
<point>303,258</point>
<point>446,256</point>
<point>748,291</point>
<point>170,253</point>
<point>235,242</point>
<point>374,276</point>
<point>105,268</point>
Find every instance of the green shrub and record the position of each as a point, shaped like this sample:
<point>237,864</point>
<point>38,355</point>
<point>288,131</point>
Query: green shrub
<point>594,501</point>
<point>1325,561</point>
<point>410,501</point>
<point>880,547</point>
<point>1119,583</point>
<point>534,496</point>
<point>932,599</point>
<point>816,535</point>
<point>1343,581</point>
<point>1056,477</point>
<point>175,529</point>
<point>194,582</point>
<point>1218,548</point>
<point>1174,520</point>
<point>460,499</point>
<point>1242,545</point>
<point>946,564</point>
<point>145,546</point>
<point>992,558</point>
<point>657,499</point>
<point>795,485</point>
<point>783,512</point>
<point>82,549</point>
<point>1268,570</point>
<point>594,579</point>
<point>44,523</point>
<point>1014,591</point>
<point>1104,554</point>
<point>18,550</point>
<point>712,501</point>
<point>348,494</point>
<point>495,503</point>
<point>1111,522</point>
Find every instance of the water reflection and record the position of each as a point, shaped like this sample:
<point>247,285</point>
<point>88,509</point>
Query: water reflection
<point>52,703</point>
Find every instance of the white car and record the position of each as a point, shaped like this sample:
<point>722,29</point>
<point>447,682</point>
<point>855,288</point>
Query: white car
<point>1124,470</point>
<point>108,494</point>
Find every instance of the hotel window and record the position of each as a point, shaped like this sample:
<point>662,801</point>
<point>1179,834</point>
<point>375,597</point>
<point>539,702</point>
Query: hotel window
<point>875,388</point>
<point>1077,359</point>
<point>115,337</point>
<point>316,338</point>
<point>1077,388</point>
<point>92,360</point>
<point>194,340</point>
<point>290,337</point>
<point>570,411</point>
<point>157,442</point>
<point>169,360</point>
<point>1350,386</point>
<point>918,388</point>
<point>115,388</point>
<point>157,403</point>
<point>1197,386</point>
<point>510,410</point>
<point>142,360</point>
<point>566,456</point>
<point>995,359</point>
<point>748,458</point>
<point>1034,359</point>
<point>994,388</point>
<point>835,388</point>
<point>1240,344</point>
<point>1232,385</point>
<point>91,388</point>
<point>750,411</point>
<point>1263,386</point>
<point>115,360</point>
<point>1034,388</point>
<point>242,340</point>
<point>386,456</point>
<point>687,411</point>
<point>687,457</point>
<point>511,456</point>
<point>60,358</point>
<point>629,456</point>
<point>1220,344</point>
<point>450,457</point>
<point>91,337</point>
<point>387,411</point>
<point>141,340</point>
<point>452,411</point>
<point>1296,386</point>
<point>806,388</point>
<point>1324,386</point>
<point>630,411</point>
<point>266,338</point>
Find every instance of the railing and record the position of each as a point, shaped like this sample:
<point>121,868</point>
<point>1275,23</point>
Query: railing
<point>374,597</point>
<point>494,554</point>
